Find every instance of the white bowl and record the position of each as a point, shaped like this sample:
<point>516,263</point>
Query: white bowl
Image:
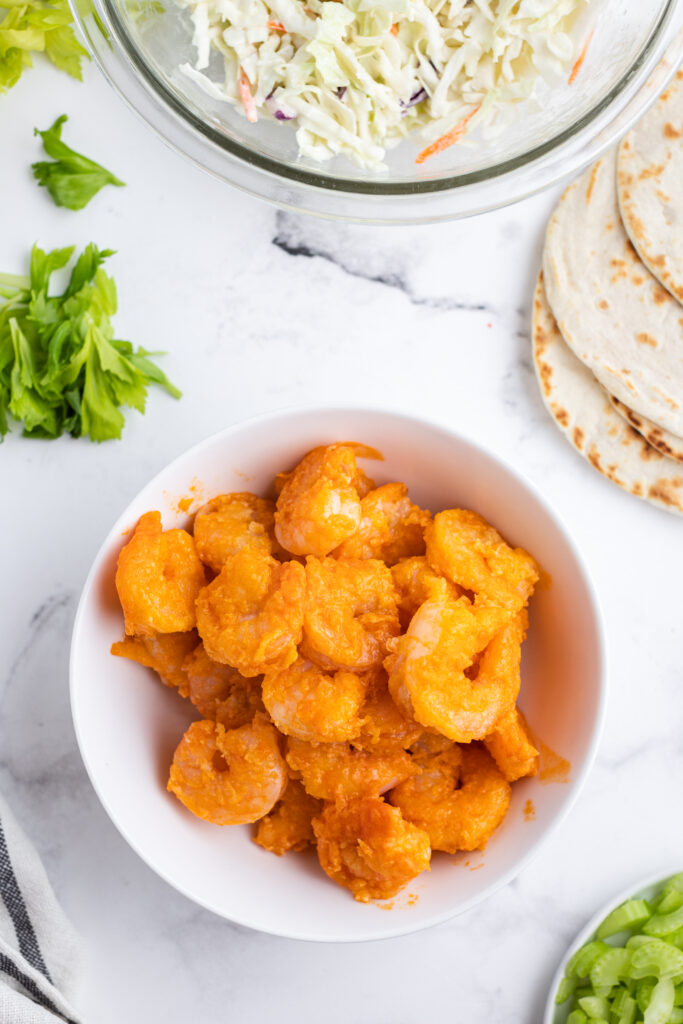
<point>644,889</point>
<point>128,726</point>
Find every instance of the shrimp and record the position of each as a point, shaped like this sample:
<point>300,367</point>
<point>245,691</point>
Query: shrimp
<point>288,826</point>
<point>428,671</point>
<point>332,771</point>
<point>229,522</point>
<point>511,748</point>
<point>350,613</point>
<point>219,692</point>
<point>318,506</point>
<point>251,615</point>
<point>311,704</point>
<point>468,551</point>
<point>384,728</point>
<point>413,580</point>
<point>158,578</point>
<point>367,847</point>
<point>164,652</point>
<point>229,777</point>
<point>391,527</point>
<point>459,799</point>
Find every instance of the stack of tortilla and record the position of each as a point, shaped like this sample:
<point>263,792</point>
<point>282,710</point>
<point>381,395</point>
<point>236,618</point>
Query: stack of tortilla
<point>608,309</point>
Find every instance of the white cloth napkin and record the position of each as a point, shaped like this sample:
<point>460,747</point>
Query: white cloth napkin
<point>40,953</point>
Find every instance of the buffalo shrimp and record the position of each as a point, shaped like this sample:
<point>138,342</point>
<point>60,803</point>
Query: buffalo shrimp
<point>459,798</point>
<point>471,553</point>
<point>158,578</point>
<point>350,613</point>
<point>251,615</point>
<point>164,652</point>
<point>230,522</point>
<point>318,506</point>
<point>312,704</point>
<point>391,527</point>
<point>366,846</point>
<point>229,776</point>
<point>510,746</point>
<point>436,676</point>
<point>220,692</point>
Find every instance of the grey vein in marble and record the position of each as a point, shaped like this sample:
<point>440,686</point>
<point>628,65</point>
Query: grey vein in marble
<point>295,237</point>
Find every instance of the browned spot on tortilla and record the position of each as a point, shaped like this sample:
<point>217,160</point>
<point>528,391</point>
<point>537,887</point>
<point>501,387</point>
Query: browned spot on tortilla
<point>653,171</point>
<point>660,295</point>
<point>658,261</point>
<point>669,401</point>
<point>578,437</point>
<point>646,339</point>
<point>562,417</point>
<point>671,133</point>
<point>603,304</point>
<point>638,280</point>
<point>637,226</point>
<point>637,489</point>
<point>618,263</point>
<point>631,252</point>
<point>610,225</point>
<point>609,471</point>
<point>591,182</point>
<point>626,144</point>
<point>663,196</point>
<point>545,372</point>
<point>668,492</point>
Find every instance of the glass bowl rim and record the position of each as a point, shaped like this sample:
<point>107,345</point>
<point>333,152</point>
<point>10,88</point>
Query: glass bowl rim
<point>368,188</point>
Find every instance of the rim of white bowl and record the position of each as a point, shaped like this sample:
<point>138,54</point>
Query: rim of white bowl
<point>632,891</point>
<point>577,784</point>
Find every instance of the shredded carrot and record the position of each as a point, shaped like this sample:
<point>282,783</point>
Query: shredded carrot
<point>276,26</point>
<point>448,139</point>
<point>246,97</point>
<point>394,29</point>
<point>582,57</point>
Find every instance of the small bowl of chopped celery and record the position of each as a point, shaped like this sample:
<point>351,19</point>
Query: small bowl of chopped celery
<point>626,965</point>
<point>387,110</point>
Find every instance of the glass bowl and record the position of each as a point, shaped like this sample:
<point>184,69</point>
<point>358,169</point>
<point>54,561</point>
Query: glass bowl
<point>139,46</point>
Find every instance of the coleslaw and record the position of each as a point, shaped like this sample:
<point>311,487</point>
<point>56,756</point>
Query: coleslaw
<point>355,77</point>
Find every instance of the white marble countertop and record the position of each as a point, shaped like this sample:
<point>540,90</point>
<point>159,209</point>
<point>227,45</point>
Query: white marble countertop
<point>258,310</point>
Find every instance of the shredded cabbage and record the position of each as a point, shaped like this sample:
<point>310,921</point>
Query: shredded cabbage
<point>357,76</point>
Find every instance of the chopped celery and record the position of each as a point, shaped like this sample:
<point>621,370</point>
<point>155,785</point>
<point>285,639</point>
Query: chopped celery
<point>582,962</point>
<point>644,990</point>
<point>638,940</point>
<point>669,902</point>
<point>656,959</point>
<point>636,977</point>
<point>665,924</point>
<point>611,968</point>
<point>594,1007</point>
<point>661,1003</point>
<point>577,1017</point>
<point>626,1011</point>
<point>629,915</point>
<point>566,989</point>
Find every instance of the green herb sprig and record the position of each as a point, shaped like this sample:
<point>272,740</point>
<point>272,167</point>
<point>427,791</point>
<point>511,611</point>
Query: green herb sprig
<point>32,26</point>
<point>71,178</point>
<point>61,368</point>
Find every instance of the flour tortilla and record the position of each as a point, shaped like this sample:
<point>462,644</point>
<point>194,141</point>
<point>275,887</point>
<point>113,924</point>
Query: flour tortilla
<point>662,440</point>
<point>612,312</point>
<point>650,187</point>
<point>584,414</point>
